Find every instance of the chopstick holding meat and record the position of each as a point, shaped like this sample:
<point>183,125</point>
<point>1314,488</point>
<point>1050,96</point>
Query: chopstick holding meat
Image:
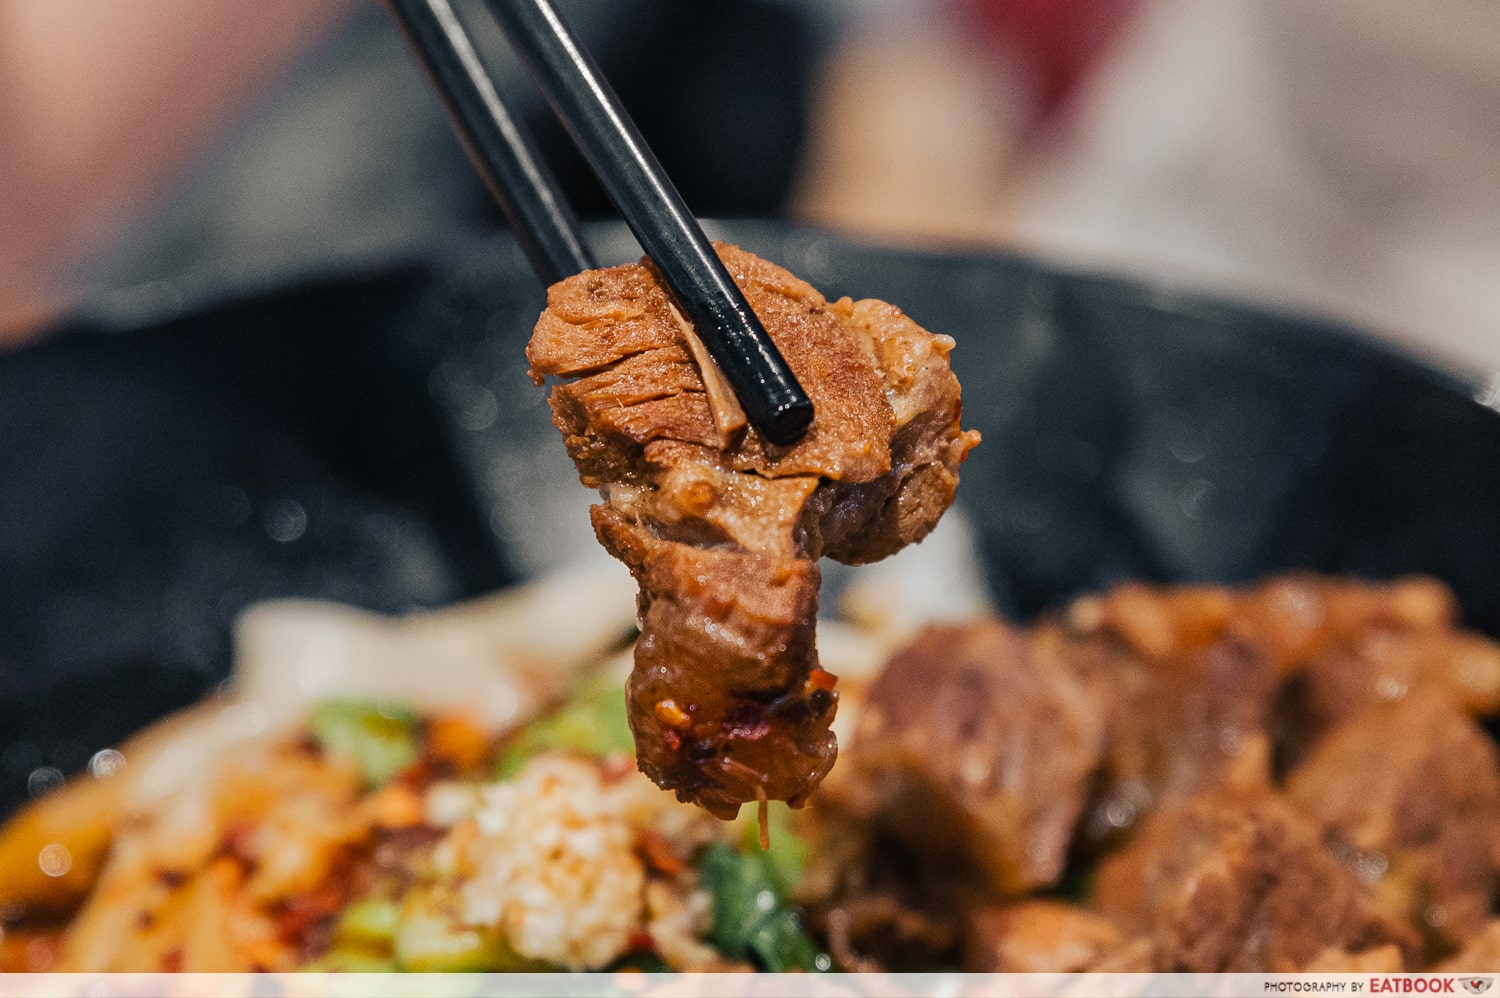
<point>722,530</point>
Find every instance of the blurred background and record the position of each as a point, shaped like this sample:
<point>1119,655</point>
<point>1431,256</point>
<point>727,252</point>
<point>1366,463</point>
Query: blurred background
<point>1331,156</point>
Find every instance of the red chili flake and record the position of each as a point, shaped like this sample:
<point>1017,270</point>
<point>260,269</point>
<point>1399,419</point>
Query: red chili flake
<point>171,960</point>
<point>395,844</point>
<point>640,942</point>
<point>822,679</point>
<point>659,855</point>
<point>672,739</point>
<point>420,774</point>
<point>235,841</point>
<point>304,912</point>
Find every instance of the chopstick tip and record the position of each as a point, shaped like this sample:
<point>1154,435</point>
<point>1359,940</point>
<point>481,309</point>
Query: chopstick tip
<point>787,423</point>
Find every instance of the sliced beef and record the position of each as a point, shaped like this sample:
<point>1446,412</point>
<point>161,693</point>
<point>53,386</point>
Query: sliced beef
<point>1234,881</point>
<point>721,529</point>
<point>979,742</point>
<point>1410,795</point>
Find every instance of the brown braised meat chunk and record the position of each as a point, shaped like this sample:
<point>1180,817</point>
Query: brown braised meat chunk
<point>1410,795</point>
<point>1298,617</point>
<point>721,530</point>
<point>979,741</point>
<point>1289,776</point>
<point>1188,696</point>
<point>871,930</point>
<point>1234,881</point>
<point>1344,646</point>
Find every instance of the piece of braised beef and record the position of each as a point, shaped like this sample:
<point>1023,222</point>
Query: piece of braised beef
<point>979,742</point>
<point>1237,881</point>
<point>722,530</point>
<point>1409,793</point>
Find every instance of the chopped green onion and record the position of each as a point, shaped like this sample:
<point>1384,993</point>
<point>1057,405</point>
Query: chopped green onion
<point>592,722</point>
<point>379,740</point>
<point>429,937</point>
<point>369,922</point>
<point>787,857</point>
<point>734,881</point>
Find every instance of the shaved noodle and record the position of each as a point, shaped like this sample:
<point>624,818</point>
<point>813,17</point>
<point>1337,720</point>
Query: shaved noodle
<point>763,815</point>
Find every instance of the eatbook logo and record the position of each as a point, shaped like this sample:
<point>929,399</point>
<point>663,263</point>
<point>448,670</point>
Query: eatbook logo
<point>1476,985</point>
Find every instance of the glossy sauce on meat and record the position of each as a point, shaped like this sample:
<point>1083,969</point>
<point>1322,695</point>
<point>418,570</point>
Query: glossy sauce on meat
<point>721,530</point>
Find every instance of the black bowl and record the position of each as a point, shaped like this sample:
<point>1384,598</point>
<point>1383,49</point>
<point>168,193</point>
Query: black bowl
<point>367,433</point>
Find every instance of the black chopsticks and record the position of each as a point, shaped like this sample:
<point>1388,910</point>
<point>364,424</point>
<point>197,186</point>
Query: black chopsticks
<point>539,215</point>
<point>774,402</point>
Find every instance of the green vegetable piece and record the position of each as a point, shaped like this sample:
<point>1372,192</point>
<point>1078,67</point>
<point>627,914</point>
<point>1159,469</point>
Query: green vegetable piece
<point>433,945</point>
<point>782,945</point>
<point>740,891</point>
<point>369,922</point>
<point>592,722</point>
<point>380,740</point>
<point>429,937</point>
<point>751,917</point>
<point>787,858</point>
<point>351,960</point>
